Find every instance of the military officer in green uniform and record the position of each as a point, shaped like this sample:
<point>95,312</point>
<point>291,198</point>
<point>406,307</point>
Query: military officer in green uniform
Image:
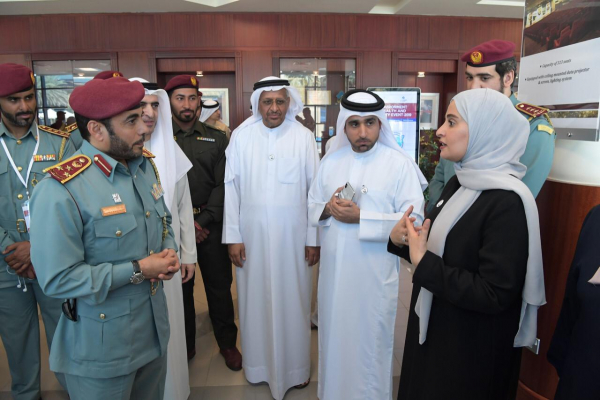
<point>106,244</point>
<point>72,128</point>
<point>27,149</point>
<point>492,65</point>
<point>205,147</point>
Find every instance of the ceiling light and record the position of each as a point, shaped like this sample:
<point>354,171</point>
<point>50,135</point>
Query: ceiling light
<point>512,3</point>
<point>88,69</point>
<point>199,74</point>
<point>420,74</point>
<point>81,74</point>
<point>212,3</point>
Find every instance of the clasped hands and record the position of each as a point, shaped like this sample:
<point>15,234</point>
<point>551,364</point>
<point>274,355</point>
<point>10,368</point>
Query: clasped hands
<point>341,209</point>
<point>160,266</point>
<point>405,233</point>
<point>201,233</point>
<point>20,259</point>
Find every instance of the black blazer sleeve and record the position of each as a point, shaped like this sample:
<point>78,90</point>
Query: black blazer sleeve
<point>400,251</point>
<point>497,282</point>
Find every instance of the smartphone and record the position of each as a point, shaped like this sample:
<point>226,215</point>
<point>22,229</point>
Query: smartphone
<point>347,192</point>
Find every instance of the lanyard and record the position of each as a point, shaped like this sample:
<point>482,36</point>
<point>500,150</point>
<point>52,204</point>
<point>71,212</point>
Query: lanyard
<point>12,163</point>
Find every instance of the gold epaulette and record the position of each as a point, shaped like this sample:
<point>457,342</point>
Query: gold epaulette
<point>531,110</point>
<point>54,131</point>
<point>69,169</point>
<point>147,154</point>
<point>71,128</point>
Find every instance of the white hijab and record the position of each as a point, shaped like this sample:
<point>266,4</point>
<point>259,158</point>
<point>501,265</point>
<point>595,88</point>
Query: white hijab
<point>206,111</point>
<point>498,135</point>
<point>386,136</point>
<point>171,161</point>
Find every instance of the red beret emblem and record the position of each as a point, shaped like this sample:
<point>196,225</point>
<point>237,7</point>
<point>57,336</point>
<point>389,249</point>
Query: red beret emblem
<point>117,74</point>
<point>194,82</point>
<point>476,57</point>
<point>32,78</point>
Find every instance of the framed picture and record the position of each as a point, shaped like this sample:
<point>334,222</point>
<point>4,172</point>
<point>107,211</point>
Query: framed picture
<point>430,104</point>
<point>222,96</point>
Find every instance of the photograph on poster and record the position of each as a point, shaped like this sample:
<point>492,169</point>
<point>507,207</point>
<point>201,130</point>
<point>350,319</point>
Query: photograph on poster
<point>222,96</point>
<point>430,103</point>
<point>551,24</point>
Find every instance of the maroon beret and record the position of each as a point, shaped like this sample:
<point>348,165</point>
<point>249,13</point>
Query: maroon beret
<point>489,53</point>
<point>15,78</point>
<point>100,99</point>
<point>182,81</point>
<point>108,75</point>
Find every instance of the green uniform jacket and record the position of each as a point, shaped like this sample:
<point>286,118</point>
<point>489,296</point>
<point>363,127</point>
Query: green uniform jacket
<point>87,256</point>
<point>205,147</point>
<point>538,157</point>
<point>13,193</point>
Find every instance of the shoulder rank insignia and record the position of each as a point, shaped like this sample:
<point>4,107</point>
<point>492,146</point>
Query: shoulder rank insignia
<point>69,169</point>
<point>205,139</point>
<point>531,110</point>
<point>147,153</point>
<point>54,131</point>
<point>71,128</point>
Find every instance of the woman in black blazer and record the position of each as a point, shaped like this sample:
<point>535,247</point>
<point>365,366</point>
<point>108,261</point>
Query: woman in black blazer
<point>575,347</point>
<point>477,280</point>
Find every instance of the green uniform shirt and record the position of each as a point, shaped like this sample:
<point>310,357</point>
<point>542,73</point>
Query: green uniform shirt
<point>205,147</point>
<point>87,256</point>
<point>13,194</point>
<point>538,157</point>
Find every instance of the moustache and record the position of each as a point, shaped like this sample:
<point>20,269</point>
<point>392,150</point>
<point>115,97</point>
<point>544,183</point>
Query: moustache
<point>23,113</point>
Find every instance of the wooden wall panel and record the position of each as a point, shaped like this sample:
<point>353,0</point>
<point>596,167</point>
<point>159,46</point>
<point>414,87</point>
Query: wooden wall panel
<point>444,33</point>
<point>417,33</point>
<point>131,32</point>
<point>256,30</point>
<point>15,34</point>
<point>380,32</point>
<point>339,31</point>
<point>141,64</point>
<point>196,64</point>
<point>478,30</point>
<point>256,65</point>
<point>188,31</point>
<point>64,33</point>
<point>300,30</point>
<point>433,66</point>
<point>376,69</point>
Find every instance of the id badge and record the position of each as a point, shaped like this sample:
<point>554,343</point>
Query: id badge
<point>26,215</point>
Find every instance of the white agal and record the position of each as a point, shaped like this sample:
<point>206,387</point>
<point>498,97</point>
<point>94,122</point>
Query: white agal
<point>358,278</point>
<point>267,178</point>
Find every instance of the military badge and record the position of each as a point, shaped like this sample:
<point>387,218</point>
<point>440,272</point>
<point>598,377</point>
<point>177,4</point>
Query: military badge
<point>531,110</point>
<point>32,78</point>
<point>194,81</point>
<point>476,57</point>
<point>113,210</point>
<point>157,191</point>
<point>69,169</point>
<point>205,139</point>
<point>116,197</point>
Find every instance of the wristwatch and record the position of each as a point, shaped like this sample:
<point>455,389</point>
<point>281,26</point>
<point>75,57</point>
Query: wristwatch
<point>137,276</point>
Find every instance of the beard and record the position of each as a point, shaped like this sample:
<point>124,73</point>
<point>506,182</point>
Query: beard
<point>14,120</point>
<point>184,118</point>
<point>119,149</point>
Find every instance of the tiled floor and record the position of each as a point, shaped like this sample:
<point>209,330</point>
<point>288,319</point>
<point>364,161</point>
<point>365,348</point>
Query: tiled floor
<point>209,377</point>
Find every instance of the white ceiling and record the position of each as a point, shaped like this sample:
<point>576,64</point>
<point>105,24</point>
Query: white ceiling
<point>411,7</point>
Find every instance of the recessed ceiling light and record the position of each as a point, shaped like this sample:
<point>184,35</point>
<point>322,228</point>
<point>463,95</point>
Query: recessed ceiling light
<point>212,3</point>
<point>512,3</point>
<point>420,74</point>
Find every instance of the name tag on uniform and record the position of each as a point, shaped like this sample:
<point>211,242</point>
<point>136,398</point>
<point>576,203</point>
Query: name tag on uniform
<point>206,139</point>
<point>157,191</point>
<point>113,210</point>
<point>44,157</point>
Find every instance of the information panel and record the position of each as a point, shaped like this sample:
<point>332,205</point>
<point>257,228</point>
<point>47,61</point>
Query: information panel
<point>402,109</point>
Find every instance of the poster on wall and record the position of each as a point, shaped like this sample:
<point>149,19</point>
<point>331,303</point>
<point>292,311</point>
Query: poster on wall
<point>402,106</point>
<point>560,64</point>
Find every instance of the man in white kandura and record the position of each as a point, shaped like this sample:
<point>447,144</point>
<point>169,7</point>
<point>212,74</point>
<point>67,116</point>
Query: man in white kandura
<point>271,162</point>
<point>211,115</point>
<point>172,165</point>
<point>358,280</point>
